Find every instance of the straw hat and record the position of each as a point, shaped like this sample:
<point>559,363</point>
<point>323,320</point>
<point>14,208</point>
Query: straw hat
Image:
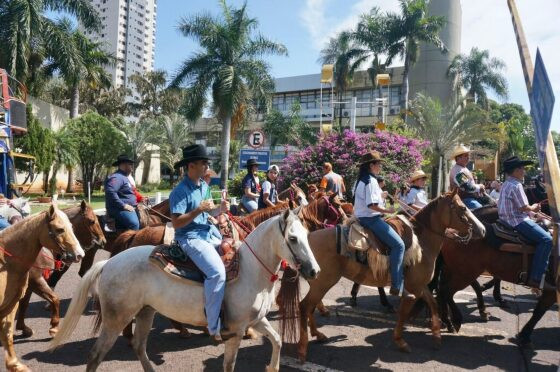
<point>417,175</point>
<point>370,157</point>
<point>460,150</point>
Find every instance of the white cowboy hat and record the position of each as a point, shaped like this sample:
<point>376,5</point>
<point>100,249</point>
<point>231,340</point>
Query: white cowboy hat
<point>417,175</point>
<point>460,150</point>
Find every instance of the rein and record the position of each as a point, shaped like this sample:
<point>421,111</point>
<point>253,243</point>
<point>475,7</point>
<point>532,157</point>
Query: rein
<point>58,264</point>
<point>159,214</point>
<point>283,264</point>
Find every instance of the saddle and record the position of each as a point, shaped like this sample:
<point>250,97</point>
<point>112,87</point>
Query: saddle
<point>503,237</point>
<point>171,259</point>
<point>362,239</point>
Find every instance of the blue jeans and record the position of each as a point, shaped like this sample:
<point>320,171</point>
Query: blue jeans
<point>472,203</point>
<point>543,243</point>
<point>205,255</point>
<point>126,220</point>
<point>3,223</point>
<point>249,204</point>
<point>389,237</point>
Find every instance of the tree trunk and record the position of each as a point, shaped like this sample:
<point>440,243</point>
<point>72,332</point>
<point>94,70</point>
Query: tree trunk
<point>435,175</point>
<point>226,138</point>
<point>340,111</point>
<point>46,181</point>
<point>70,185</point>
<point>405,87</point>
<point>75,101</point>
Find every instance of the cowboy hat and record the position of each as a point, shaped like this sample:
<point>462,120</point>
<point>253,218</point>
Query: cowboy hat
<point>370,157</point>
<point>251,162</point>
<point>192,153</point>
<point>417,175</point>
<point>460,150</point>
<point>514,162</point>
<point>123,158</point>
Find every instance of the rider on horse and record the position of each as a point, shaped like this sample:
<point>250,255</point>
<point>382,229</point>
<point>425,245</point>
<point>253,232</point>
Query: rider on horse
<point>120,199</point>
<point>251,186</point>
<point>269,195</point>
<point>416,197</point>
<point>369,209</point>
<point>461,178</point>
<point>198,238</point>
<point>514,209</point>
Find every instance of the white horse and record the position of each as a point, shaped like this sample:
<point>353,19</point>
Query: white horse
<point>18,207</point>
<point>129,286</point>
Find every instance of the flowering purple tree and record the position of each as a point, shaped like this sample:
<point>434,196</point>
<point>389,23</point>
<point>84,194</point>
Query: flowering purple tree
<point>403,156</point>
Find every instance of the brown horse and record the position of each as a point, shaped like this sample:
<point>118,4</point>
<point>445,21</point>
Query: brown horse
<point>19,246</point>
<point>431,224</point>
<point>313,217</point>
<point>149,216</point>
<point>463,264</point>
<point>89,234</point>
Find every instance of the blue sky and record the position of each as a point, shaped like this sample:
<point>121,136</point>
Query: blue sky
<point>305,25</point>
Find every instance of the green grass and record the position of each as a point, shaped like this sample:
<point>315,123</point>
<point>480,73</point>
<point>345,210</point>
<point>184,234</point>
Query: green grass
<point>97,200</point>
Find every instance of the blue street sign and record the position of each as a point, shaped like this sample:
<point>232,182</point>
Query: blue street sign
<point>262,157</point>
<point>542,105</point>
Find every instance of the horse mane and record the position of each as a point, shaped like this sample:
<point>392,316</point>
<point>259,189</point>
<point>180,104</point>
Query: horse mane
<point>21,230</point>
<point>257,217</point>
<point>309,215</point>
<point>72,212</point>
<point>426,211</point>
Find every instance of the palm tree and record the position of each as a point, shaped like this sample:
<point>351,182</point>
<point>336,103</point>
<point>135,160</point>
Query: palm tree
<point>87,68</point>
<point>346,57</point>
<point>405,32</point>
<point>65,155</point>
<point>477,73</point>
<point>445,127</point>
<point>172,134</point>
<point>155,99</point>
<point>229,66</point>
<point>29,37</point>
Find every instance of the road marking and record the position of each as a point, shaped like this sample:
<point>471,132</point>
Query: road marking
<point>307,366</point>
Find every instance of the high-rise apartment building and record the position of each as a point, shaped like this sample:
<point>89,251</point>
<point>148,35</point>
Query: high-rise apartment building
<point>128,32</point>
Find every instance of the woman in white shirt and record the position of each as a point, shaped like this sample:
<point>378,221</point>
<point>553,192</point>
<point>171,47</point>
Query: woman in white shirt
<point>416,197</point>
<point>369,209</point>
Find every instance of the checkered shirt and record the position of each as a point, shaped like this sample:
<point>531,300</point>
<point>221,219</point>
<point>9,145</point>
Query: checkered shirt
<point>512,198</point>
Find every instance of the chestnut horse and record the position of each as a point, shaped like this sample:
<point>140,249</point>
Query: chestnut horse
<point>19,246</point>
<point>431,225</point>
<point>89,234</point>
<point>463,264</point>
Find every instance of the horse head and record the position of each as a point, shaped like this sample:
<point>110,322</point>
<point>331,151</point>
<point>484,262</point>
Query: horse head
<point>87,227</point>
<point>22,206</point>
<point>58,236</point>
<point>461,222</point>
<point>295,248</point>
<point>299,194</point>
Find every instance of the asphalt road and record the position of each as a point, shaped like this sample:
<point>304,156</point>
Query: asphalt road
<point>360,340</point>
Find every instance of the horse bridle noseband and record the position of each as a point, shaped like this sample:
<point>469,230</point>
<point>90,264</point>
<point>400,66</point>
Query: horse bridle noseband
<point>296,259</point>
<point>53,235</point>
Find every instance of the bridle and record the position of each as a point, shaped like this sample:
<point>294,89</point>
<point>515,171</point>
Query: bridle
<point>94,240</point>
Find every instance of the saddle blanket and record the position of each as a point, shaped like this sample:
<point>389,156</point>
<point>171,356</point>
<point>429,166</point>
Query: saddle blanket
<point>376,253</point>
<point>171,259</point>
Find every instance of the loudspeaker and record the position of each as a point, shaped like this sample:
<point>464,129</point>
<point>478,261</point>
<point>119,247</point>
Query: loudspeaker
<point>18,115</point>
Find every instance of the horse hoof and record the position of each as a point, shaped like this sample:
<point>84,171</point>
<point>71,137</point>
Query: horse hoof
<point>522,342</point>
<point>184,333</point>
<point>403,346</point>
<point>19,367</point>
<point>457,327</point>
<point>53,331</point>
<point>484,316</point>
<point>321,337</point>
<point>353,302</point>
<point>25,331</point>
<point>250,334</point>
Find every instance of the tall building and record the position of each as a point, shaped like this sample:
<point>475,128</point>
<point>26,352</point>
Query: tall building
<point>429,73</point>
<point>128,32</point>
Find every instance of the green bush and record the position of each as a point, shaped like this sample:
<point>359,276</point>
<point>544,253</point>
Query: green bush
<point>149,187</point>
<point>164,185</point>
<point>234,185</point>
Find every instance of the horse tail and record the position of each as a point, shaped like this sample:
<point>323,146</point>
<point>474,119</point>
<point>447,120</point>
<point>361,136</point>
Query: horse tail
<point>123,241</point>
<point>288,305</point>
<point>77,306</point>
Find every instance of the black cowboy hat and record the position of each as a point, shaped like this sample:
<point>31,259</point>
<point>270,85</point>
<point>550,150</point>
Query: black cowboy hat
<point>370,157</point>
<point>251,162</point>
<point>123,158</point>
<point>514,162</point>
<point>192,153</point>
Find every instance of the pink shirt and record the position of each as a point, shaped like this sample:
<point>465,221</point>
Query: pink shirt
<point>512,198</point>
